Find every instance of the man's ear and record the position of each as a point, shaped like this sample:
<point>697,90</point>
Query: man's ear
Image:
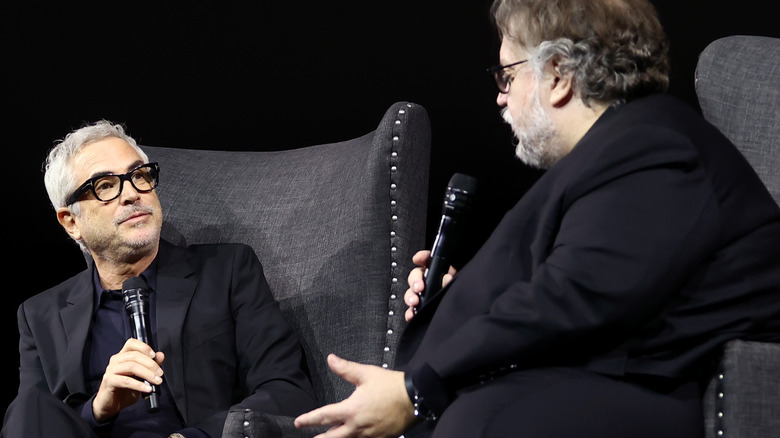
<point>67,219</point>
<point>561,86</point>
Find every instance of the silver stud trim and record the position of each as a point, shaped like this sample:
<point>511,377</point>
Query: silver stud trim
<point>395,306</point>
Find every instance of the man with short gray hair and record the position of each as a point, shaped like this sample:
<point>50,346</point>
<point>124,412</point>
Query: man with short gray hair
<point>217,339</point>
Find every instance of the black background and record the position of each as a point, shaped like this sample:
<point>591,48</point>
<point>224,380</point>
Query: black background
<point>269,75</point>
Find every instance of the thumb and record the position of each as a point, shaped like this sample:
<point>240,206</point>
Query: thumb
<point>347,370</point>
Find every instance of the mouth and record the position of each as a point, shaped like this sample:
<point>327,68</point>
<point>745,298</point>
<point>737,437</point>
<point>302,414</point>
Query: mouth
<point>134,217</point>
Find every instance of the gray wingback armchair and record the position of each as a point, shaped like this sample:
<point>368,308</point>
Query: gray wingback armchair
<point>738,86</point>
<point>334,225</point>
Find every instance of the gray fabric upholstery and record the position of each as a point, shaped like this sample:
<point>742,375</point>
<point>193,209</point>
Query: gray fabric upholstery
<point>737,81</point>
<point>743,399</point>
<point>334,225</point>
<point>738,86</point>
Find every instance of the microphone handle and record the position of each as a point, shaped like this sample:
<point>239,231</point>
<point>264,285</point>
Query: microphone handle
<point>437,267</point>
<point>139,323</point>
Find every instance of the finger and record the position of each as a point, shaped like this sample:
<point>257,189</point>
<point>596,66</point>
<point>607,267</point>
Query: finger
<point>416,281</point>
<point>340,431</point>
<point>411,297</point>
<point>325,416</point>
<point>135,371</point>
<point>139,358</point>
<point>420,258</point>
<point>125,382</point>
<point>345,369</point>
<point>409,314</point>
<point>133,344</point>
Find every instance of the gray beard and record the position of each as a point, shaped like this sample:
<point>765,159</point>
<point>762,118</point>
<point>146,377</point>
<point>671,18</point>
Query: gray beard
<point>537,144</point>
<point>103,246</point>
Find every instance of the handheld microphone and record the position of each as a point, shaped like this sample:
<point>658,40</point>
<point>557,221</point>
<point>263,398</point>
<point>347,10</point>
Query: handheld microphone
<point>136,298</point>
<point>458,200</point>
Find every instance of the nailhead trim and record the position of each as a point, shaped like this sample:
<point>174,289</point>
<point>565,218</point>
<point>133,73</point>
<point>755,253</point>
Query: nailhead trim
<point>395,305</point>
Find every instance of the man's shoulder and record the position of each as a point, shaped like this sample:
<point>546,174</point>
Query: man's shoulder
<point>207,247</point>
<point>208,251</point>
<point>60,292</point>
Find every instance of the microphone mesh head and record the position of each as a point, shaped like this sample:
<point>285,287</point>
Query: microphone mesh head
<point>463,183</point>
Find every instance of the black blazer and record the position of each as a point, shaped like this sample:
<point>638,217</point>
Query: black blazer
<point>225,340</point>
<point>641,252</point>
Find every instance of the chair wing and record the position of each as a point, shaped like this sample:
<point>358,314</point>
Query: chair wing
<point>334,226</point>
<point>737,81</point>
<point>738,86</point>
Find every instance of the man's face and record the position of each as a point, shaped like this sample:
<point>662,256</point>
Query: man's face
<point>123,229</point>
<point>522,109</point>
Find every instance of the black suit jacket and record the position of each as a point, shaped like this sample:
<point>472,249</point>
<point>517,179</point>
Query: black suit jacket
<point>225,340</point>
<point>641,252</point>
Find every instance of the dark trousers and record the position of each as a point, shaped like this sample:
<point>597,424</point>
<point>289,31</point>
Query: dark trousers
<point>567,402</point>
<point>40,414</point>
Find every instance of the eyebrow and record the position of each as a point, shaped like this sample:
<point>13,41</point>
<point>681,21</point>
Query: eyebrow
<point>105,173</point>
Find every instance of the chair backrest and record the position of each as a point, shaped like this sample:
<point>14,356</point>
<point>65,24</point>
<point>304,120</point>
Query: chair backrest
<point>738,86</point>
<point>334,225</point>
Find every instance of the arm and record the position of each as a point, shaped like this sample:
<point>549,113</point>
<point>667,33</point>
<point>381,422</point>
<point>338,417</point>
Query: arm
<point>268,359</point>
<point>621,251</point>
<point>41,342</point>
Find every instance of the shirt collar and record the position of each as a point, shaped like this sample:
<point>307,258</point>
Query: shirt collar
<point>149,274</point>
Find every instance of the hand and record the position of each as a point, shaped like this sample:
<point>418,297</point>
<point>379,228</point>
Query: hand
<point>379,406</point>
<point>417,283</point>
<point>122,383</point>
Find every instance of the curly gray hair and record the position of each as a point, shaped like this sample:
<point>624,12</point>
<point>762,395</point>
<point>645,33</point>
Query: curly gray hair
<point>616,50</point>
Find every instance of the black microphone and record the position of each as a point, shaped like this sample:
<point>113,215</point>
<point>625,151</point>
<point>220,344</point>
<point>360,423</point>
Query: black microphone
<point>136,297</point>
<point>458,200</point>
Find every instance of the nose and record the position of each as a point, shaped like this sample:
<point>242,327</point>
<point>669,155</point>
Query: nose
<point>501,99</point>
<point>129,194</point>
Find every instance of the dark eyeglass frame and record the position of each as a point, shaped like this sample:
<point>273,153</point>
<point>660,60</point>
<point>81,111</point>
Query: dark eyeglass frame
<point>89,185</point>
<point>503,80</point>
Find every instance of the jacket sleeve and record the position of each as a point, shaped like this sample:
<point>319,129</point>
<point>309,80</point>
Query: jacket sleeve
<point>620,245</point>
<point>270,364</point>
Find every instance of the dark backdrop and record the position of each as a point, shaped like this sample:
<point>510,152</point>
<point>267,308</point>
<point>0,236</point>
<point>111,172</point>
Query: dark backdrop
<point>266,75</point>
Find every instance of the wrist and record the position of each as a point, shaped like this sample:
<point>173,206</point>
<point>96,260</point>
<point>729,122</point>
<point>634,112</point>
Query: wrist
<point>420,409</point>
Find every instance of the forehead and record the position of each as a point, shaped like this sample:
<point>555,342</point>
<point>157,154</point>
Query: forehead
<point>511,51</point>
<point>109,155</point>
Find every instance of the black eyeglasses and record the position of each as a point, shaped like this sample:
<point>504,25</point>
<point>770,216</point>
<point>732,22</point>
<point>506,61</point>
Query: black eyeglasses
<point>143,178</point>
<point>504,80</point>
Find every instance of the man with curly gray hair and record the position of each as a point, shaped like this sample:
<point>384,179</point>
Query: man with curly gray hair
<point>601,301</point>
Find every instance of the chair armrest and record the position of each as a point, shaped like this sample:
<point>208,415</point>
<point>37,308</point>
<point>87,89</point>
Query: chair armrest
<point>245,423</point>
<point>743,399</point>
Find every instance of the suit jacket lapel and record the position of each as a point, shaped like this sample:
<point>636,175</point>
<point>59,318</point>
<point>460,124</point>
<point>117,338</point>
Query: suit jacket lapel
<point>76,317</point>
<point>175,287</point>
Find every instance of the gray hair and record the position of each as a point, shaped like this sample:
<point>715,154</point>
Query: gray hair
<point>59,177</point>
<point>616,50</point>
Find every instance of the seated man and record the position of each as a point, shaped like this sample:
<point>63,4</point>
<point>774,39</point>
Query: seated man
<point>599,303</point>
<point>218,338</point>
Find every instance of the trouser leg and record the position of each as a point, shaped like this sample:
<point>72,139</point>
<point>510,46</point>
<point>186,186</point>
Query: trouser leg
<point>565,402</point>
<point>36,413</point>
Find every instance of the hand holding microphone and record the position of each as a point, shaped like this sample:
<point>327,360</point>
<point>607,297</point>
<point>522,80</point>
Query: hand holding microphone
<point>136,297</point>
<point>458,200</point>
<point>130,371</point>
